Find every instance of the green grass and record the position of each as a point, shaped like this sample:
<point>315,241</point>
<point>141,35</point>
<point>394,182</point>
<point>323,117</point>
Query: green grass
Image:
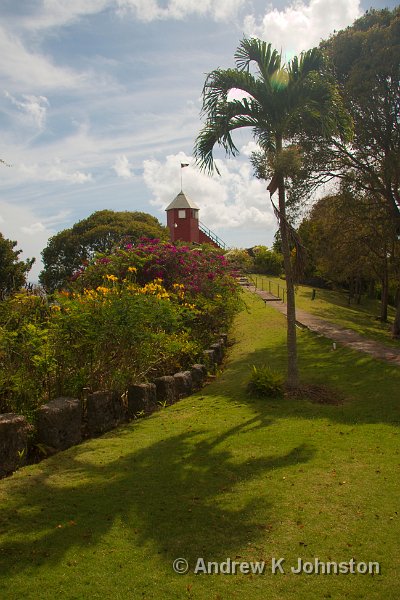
<point>333,306</point>
<point>220,474</point>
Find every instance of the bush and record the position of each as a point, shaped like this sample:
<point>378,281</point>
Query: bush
<point>131,316</point>
<point>265,382</point>
<point>267,262</point>
<point>240,261</point>
<point>211,294</point>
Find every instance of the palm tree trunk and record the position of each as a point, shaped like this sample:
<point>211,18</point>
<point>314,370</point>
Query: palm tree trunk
<point>292,368</point>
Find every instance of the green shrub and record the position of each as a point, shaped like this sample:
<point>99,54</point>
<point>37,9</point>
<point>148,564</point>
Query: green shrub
<point>125,329</point>
<point>265,382</point>
<point>267,261</point>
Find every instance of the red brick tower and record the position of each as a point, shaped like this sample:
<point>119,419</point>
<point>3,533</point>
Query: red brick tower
<point>184,225</point>
<point>183,219</point>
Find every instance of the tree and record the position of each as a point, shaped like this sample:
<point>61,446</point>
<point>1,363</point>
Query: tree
<point>366,61</point>
<point>279,103</point>
<point>240,260</point>
<point>267,261</point>
<point>13,271</point>
<point>69,250</point>
<point>351,241</point>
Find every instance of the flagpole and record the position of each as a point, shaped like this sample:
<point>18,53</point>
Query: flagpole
<point>183,165</point>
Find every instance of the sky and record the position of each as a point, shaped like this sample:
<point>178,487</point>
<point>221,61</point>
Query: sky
<point>100,103</point>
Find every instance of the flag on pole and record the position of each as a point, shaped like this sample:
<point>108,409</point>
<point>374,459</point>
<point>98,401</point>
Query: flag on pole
<point>184,165</point>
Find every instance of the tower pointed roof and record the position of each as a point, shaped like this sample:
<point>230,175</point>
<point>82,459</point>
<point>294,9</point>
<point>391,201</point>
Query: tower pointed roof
<point>182,201</point>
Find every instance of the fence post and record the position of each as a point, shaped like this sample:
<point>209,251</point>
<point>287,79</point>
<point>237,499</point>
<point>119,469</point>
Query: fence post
<point>279,291</point>
<point>269,285</point>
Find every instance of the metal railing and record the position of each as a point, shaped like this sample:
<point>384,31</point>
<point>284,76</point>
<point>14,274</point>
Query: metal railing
<point>268,285</point>
<point>210,234</point>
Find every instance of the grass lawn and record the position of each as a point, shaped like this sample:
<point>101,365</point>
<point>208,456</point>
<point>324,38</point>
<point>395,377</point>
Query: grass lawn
<point>333,306</point>
<point>220,475</point>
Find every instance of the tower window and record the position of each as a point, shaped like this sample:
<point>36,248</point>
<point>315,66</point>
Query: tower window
<point>195,213</point>
<point>182,214</point>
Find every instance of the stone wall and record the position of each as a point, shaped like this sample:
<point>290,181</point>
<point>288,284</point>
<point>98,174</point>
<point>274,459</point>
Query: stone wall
<point>64,422</point>
<point>14,431</point>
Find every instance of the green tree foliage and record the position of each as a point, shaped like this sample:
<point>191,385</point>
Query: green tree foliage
<point>280,103</point>
<point>267,261</point>
<point>351,241</point>
<point>13,271</point>
<point>366,62</point>
<point>69,250</point>
<point>240,260</point>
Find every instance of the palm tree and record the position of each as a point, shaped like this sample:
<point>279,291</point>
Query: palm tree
<point>280,103</point>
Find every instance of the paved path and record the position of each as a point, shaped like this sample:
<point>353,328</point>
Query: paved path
<point>339,334</point>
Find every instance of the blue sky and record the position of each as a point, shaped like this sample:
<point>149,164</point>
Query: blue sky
<point>100,102</point>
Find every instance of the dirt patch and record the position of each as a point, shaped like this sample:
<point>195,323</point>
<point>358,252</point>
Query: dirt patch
<point>319,394</point>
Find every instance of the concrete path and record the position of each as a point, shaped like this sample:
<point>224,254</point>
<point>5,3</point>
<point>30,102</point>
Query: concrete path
<point>338,334</point>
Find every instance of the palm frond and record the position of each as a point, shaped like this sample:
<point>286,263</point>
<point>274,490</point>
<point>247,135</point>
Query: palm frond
<point>204,147</point>
<point>220,82</point>
<point>317,108</point>
<point>307,62</point>
<point>281,102</point>
<point>254,50</point>
<point>265,137</point>
<point>225,118</point>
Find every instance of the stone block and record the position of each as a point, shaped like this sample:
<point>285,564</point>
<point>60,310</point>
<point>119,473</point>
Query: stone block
<point>224,338</point>
<point>183,383</point>
<point>120,409</point>
<point>103,412</point>
<point>218,348</point>
<point>141,397</point>
<point>199,374</point>
<point>166,389</point>
<point>59,423</point>
<point>14,430</point>
<point>210,359</point>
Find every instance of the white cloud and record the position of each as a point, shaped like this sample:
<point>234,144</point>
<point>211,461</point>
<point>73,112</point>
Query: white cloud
<point>34,107</point>
<point>237,94</point>
<point>122,167</point>
<point>57,13</point>
<point>52,172</point>
<point>249,148</point>
<point>145,10</point>
<point>29,69</point>
<point>150,10</point>
<point>32,233</point>
<point>33,229</point>
<point>234,199</point>
<point>220,10</point>
<point>302,25</point>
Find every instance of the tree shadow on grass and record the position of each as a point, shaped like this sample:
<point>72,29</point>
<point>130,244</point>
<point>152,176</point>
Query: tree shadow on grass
<point>370,387</point>
<point>364,323</point>
<point>177,494</point>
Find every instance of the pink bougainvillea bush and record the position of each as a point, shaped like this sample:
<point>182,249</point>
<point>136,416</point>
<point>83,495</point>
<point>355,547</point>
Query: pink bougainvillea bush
<point>197,267</point>
<point>206,278</point>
